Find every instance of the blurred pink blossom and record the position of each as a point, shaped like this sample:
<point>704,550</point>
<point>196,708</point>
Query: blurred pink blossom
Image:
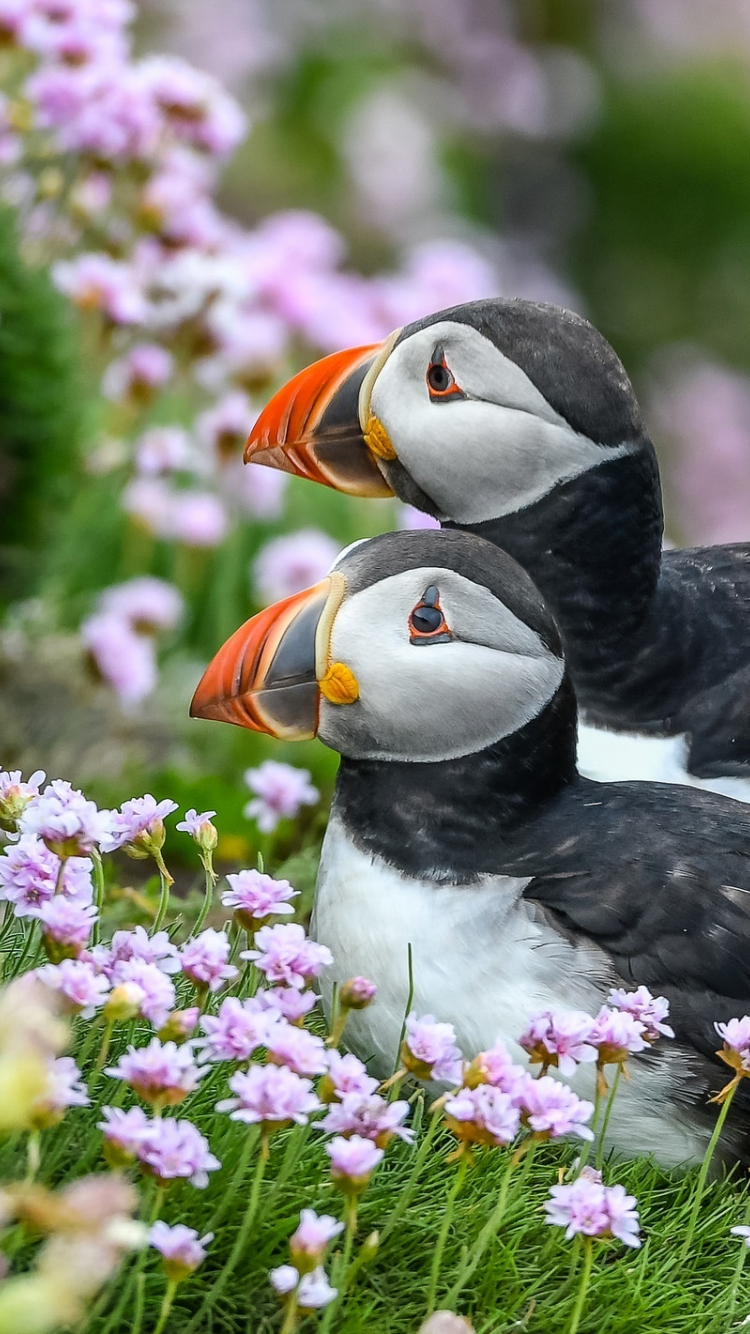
<point>146,367</point>
<point>287,564</point>
<point>124,659</point>
<point>146,603</point>
<point>279,791</point>
<point>98,282</point>
<point>163,449</point>
<point>198,109</point>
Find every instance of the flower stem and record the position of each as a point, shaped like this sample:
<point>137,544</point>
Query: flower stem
<point>98,893</point>
<point>208,899</point>
<point>33,1155</point>
<point>588,1259</point>
<point>488,1232</point>
<point>703,1174</point>
<point>290,1315</point>
<point>104,1049</point>
<point>407,1194</point>
<point>166,1306</point>
<point>165,880</point>
<point>238,1176</point>
<point>607,1114</point>
<point>246,1227</point>
<point>437,1258</point>
<point>342,1267</point>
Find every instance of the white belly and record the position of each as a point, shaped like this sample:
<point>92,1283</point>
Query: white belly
<point>612,757</point>
<point>483,960</point>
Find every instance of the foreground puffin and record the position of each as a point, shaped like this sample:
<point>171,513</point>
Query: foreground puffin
<point>461,826</point>
<point>516,421</point>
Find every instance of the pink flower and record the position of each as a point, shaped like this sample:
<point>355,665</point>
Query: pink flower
<point>594,1210</point>
<point>357,993</point>
<point>124,660</point>
<point>353,1161</point>
<point>62,817</point>
<point>15,796</point>
<point>138,944</point>
<point>176,1149</point>
<point>158,994</point>
<point>98,282</point>
<point>124,1133</point>
<point>302,1052</point>
<point>161,1073</point>
<point>223,428</point>
<point>181,1248</point>
<point>346,1074</point>
<point>147,604</point>
<point>66,925</point>
<point>196,518</point>
<point>558,1038</point>
<point>270,1096</point>
<point>286,565</point>
<point>180,1025</point>
<point>163,449</point>
<point>146,367</point>
<point>138,826</point>
<point>82,988</point>
<point>203,832</point>
<point>280,790</point>
<point>313,1289</point>
<point>65,1088</point>
<point>29,874</point>
<point>496,1067</point>
<point>483,1115</point>
<point>237,1031</point>
<point>100,109</point>
<point>368,1116</point>
<point>204,959</point>
<point>290,1003</point>
<point>285,954</point>
<point>198,109</point>
<point>255,897</point>
<point>308,1244</point>
<point>650,1010</point>
<point>552,1109</point>
<point>616,1034</point>
<point>429,1049</point>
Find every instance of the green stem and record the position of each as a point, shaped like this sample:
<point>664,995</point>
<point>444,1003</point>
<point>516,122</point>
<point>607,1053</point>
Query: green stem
<point>104,1049</point>
<point>208,899</point>
<point>407,1194</point>
<point>212,1296</point>
<point>98,893</point>
<point>701,1183</point>
<point>341,1269</point>
<point>605,1122</point>
<point>588,1259</point>
<point>297,1140</point>
<point>486,1235</point>
<point>140,1293</point>
<point>409,1003</point>
<point>165,880</point>
<point>29,944</point>
<point>290,1315</point>
<point>238,1176</point>
<point>166,1306</point>
<point>33,1155</point>
<point>584,1154</point>
<point>437,1258</point>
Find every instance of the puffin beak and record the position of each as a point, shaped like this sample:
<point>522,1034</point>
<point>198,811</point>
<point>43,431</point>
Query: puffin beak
<point>269,676</point>
<point>319,426</point>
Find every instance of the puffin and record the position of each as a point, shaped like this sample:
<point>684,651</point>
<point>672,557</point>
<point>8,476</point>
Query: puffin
<point>516,421</point>
<point>462,832</point>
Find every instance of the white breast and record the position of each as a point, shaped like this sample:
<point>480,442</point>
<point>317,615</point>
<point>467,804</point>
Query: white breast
<point>612,757</point>
<point>483,959</point>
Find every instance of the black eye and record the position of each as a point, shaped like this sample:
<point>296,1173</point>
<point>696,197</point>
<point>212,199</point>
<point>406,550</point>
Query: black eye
<point>427,623</point>
<point>439,378</point>
<point>426,620</point>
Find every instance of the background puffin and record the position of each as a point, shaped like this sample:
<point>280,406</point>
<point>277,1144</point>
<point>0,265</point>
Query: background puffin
<point>517,421</point>
<point>460,824</point>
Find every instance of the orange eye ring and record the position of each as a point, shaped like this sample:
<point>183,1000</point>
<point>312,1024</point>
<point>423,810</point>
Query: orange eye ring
<point>427,624</point>
<point>441,383</point>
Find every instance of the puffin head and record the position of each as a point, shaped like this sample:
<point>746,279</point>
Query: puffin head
<point>418,646</point>
<point>470,414</point>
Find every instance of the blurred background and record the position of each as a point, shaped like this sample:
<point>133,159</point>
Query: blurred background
<point>198,198</point>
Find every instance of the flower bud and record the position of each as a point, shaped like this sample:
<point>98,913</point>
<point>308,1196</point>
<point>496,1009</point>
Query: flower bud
<point>180,1025</point>
<point>124,1002</point>
<point>357,994</point>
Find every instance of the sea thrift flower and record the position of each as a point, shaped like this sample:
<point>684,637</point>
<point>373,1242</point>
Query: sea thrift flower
<point>237,1031</point>
<point>271,1096</point>
<point>308,1244</point>
<point>594,1210</point>
<point>138,826</point>
<point>176,1149</point>
<point>181,1249</point>
<point>368,1116</point>
<point>30,873</point>
<point>287,564</point>
<point>161,1073</point>
<point>82,988</point>
<point>285,954</point>
<point>200,112</point>
<point>312,1289</point>
<point>180,1024</point>
<point>66,926</point>
<point>204,960</point>
<point>124,1002</point>
<point>290,1003</point>
<point>496,1067</point>
<point>200,828</point>
<point>352,1162</point>
<point>65,1089</point>
<point>15,796</point>
<point>616,1034</point>
<point>62,817</point>
<point>157,991</point>
<point>124,1133</point>
<point>163,449</point>
<point>357,994</point>
<point>98,282</point>
<point>196,518</point>
<point>735,1052</point>
<point>122,659</point>
<point>558,1038</point>
<point>147,604</point>
<point>144,369</point>
<point>138,944</point>
<point>255,897</point>
<point>302,1052</point>
<point>551,1109</point>
<point>224,427</point>
<point>279,790</point>
<point>483,1115</point>
<point>345,1074</point>
<point>649,1010</point>
<point>429,1049</point>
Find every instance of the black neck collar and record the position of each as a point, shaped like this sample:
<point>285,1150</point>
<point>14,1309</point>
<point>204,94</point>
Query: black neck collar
<point>449,821</point>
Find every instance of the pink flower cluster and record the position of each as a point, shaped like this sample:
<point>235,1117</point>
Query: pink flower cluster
<point>167,1149</point>
<point>589,1208</point>
<point>285,955</point>
<point>279,791</point>
<point>255,897</point>
<point>120,635</point>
